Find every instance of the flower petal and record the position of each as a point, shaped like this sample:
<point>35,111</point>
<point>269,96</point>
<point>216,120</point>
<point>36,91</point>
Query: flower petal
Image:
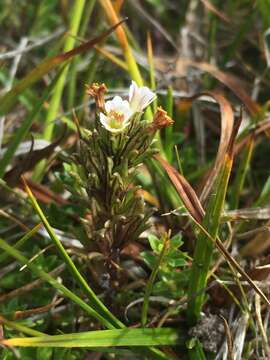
<point>108,105</point>
<point>132,90</point>
<point>104,120</point>
<point>117,101</point>
<point>140,97</point>
<point>111,124</point>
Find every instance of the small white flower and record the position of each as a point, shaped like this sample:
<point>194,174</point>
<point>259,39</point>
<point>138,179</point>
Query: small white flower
<point>140,97</point>
<point>118,113</point>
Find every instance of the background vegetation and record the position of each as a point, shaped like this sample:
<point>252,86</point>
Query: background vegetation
<point>195,283</point>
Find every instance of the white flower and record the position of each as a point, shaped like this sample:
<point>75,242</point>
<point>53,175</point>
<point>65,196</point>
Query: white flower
<point>118,113</point>
<point>140,97</point>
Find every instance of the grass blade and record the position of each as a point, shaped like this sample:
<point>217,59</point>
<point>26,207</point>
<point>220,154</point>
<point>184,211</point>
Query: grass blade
<point>103,338</point>
<point>150,283</point>
<point>43,275</point>
<point>25,127</point>
<point>241,174</point>
<point>19,327</point>
<point>20,243</point>
<point>96,303</point>
<point>204,247</point>
<point>152,69</point>
<point>8,100</point>
<point>196,211</point>
<point>130,60</point>
<point>75,19</point>
<point>154,353</point>
<point>227,79</point>
<point>169,143</point>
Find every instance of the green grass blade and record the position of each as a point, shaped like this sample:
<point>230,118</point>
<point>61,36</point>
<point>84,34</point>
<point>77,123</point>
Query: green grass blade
<point>204,247</point>
<point>48,278</point>
<point>169,144</point>
<point>19,327</point>
<point>196,352</point>
<point>241,174</point>
<point>71,90</point>
<point>154,353</point>
<point>95,302</point>
<point>75,19</point>
<point>8,100</point>
<point>76,11</point>
<point>264,195</point>
<point>103,338</point>
<point>151,68</point>
<point>25,127</point>
<point>20,243</point>
<point>150,283</point>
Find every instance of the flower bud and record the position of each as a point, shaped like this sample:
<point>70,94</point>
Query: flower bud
<point>97,91</point>
<point>161,120</point>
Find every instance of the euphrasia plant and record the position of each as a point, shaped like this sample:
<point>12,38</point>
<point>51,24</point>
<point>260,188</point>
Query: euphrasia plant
<point>108,157</point>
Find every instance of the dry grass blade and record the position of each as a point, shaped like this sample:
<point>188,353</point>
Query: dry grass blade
<point>228,337</point>
<point>257,213</point>
<point>241,271</point>
<point>141,10</point>
<point>9,99</point>
<point>30,286</point>
<point>44,194</point>
<point>227,120</point>
<point>258,244</point>
<point>186,192</point>
<point>21,314</point>
<point>265,340</point>
<point>216,11</point>
<point>194,207</point>
<point>12,177</point>
<point>261,272</point>
<point>263,126</point>
<point>227,79</point>
<point>122,38</point>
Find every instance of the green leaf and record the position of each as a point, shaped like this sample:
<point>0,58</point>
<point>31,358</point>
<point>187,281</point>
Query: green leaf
<point>155,243</point>
<point>149,258</point>
<point>176,241</point>
<point>177,262</point>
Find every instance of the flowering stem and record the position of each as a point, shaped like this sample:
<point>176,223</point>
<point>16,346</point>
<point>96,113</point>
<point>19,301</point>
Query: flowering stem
<point>130,60</point>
